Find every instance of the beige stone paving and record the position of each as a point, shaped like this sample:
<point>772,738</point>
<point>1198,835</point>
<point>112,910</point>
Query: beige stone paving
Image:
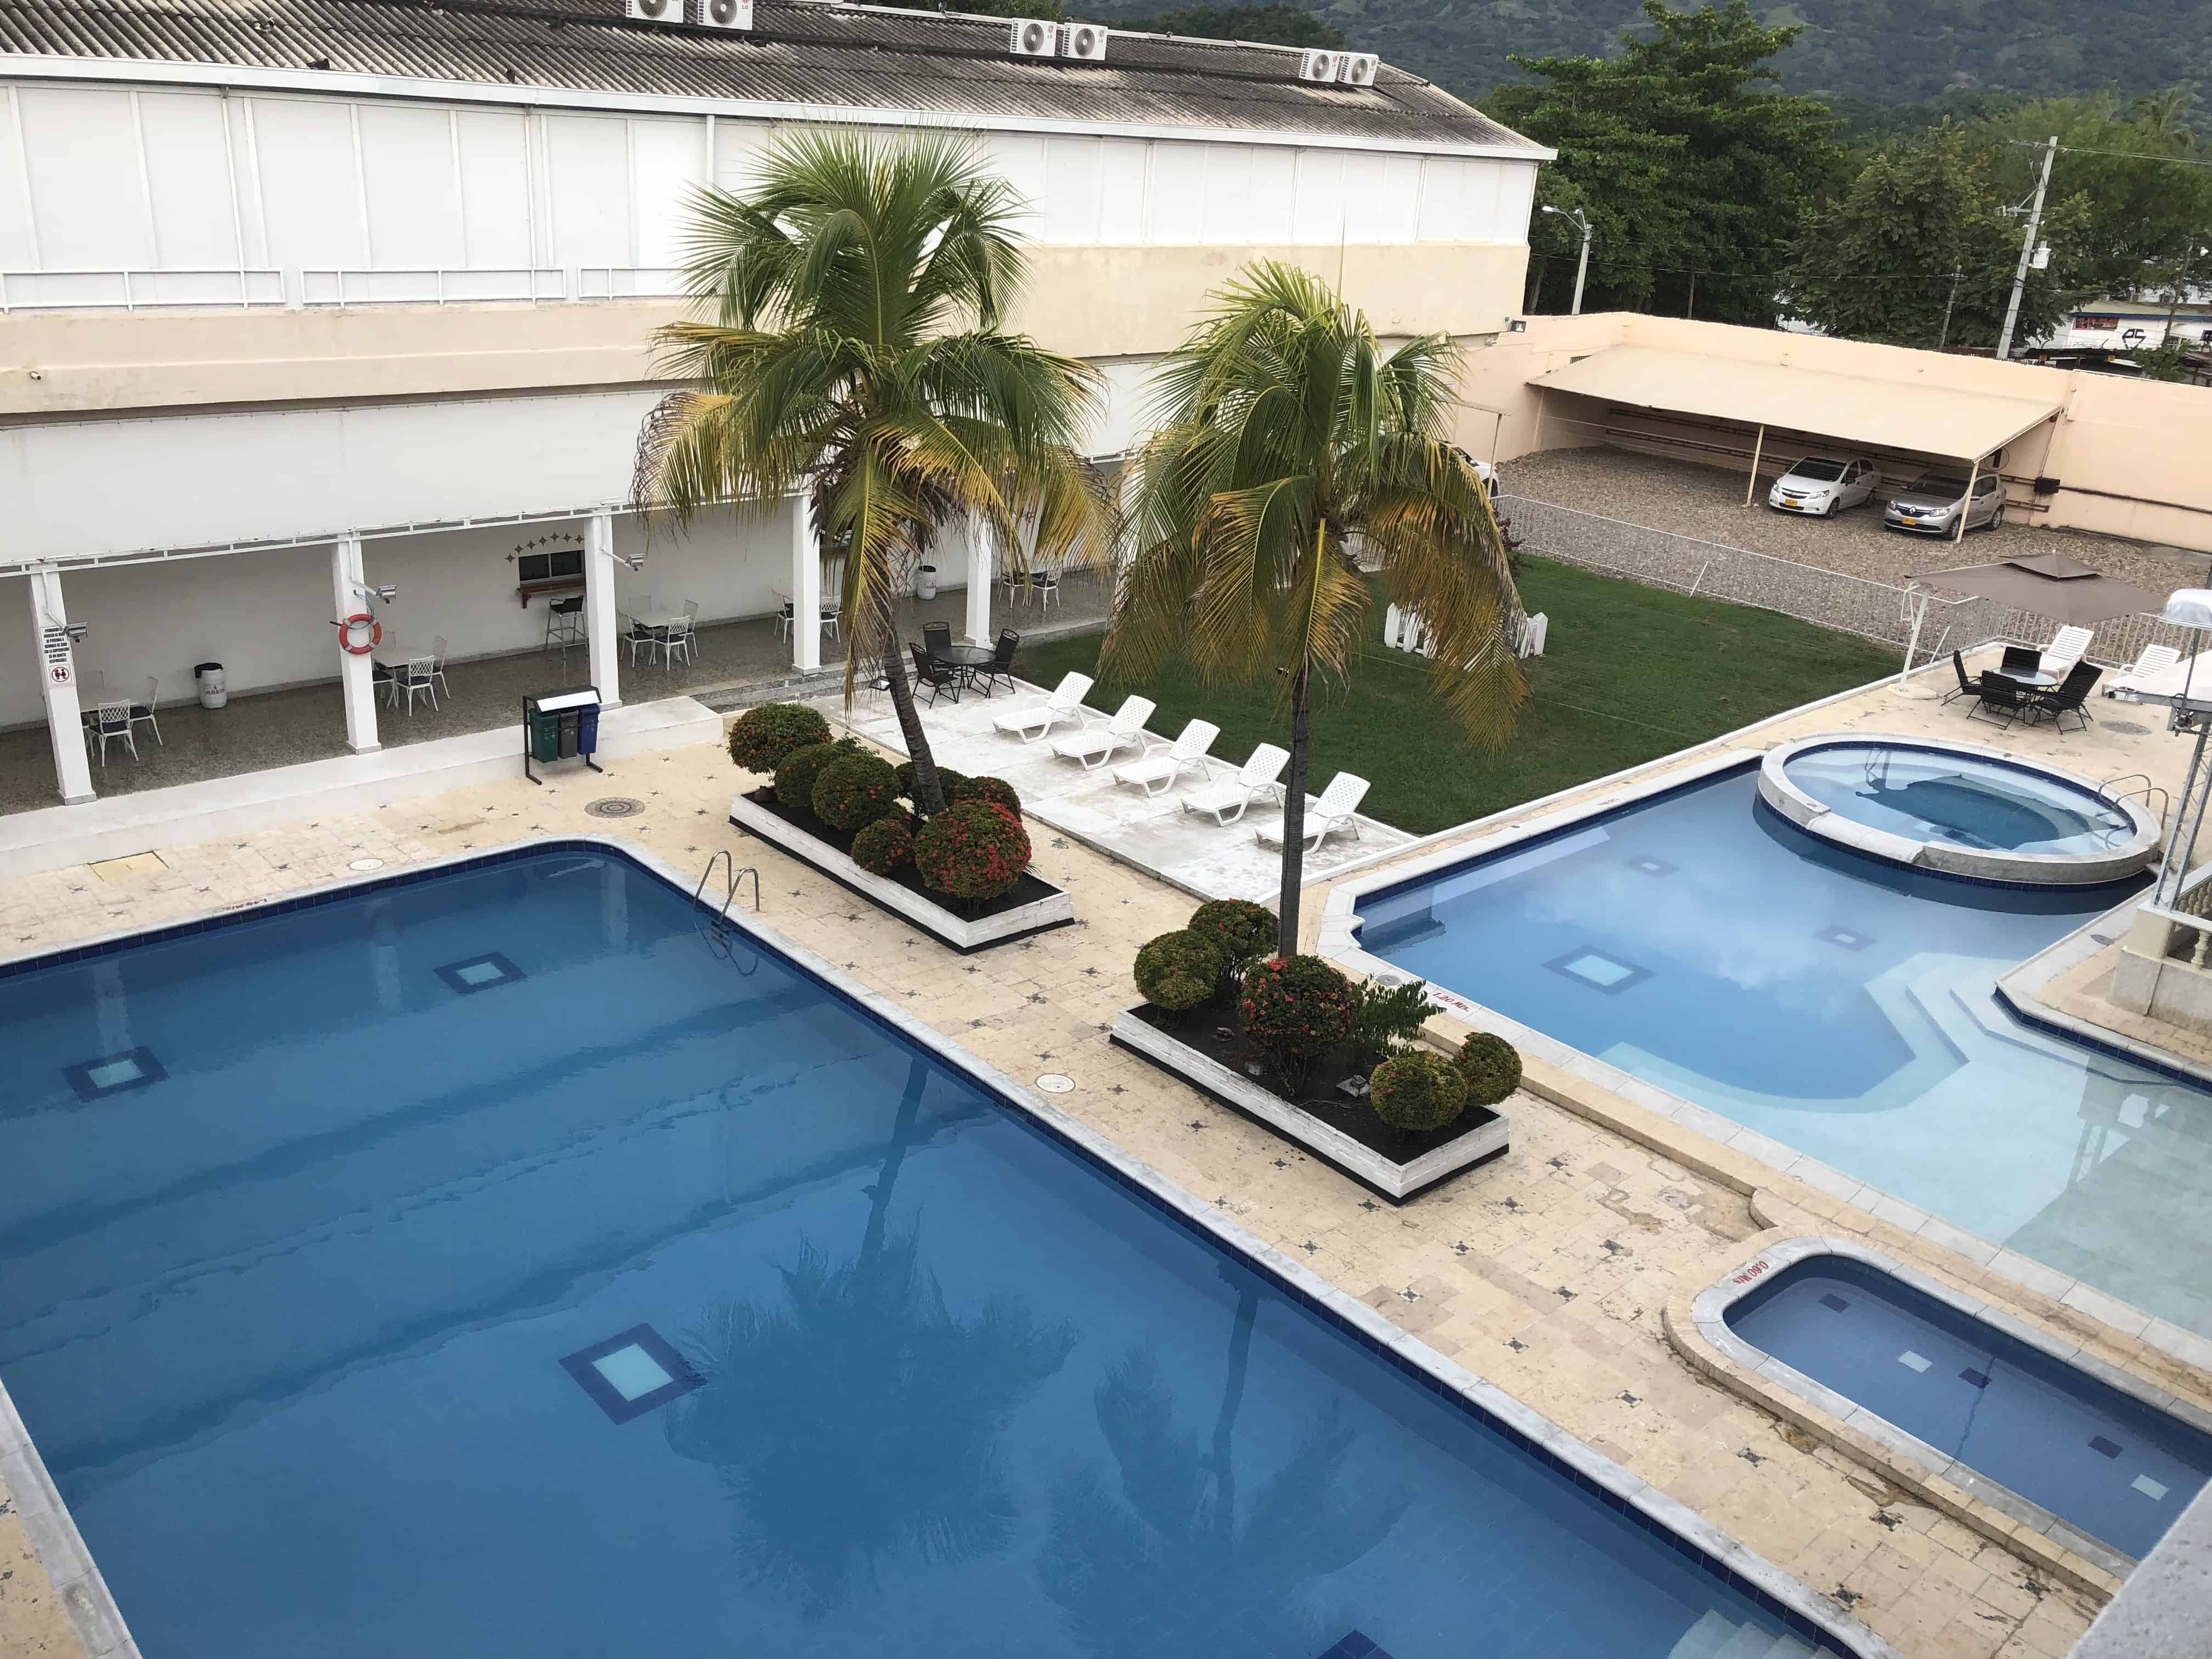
<point>1544,1272</point>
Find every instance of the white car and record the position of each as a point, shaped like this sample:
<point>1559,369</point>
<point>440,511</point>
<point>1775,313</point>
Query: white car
<point>1823,487</point>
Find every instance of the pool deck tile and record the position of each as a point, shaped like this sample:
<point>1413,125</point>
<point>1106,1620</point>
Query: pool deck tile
<point>1545,1273</point>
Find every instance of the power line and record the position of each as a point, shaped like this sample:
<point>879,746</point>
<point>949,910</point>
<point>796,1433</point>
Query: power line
<point>2123,155</point>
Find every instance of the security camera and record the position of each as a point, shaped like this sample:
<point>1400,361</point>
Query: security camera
<point>385,592</point>
<point>631,561</point>
<point>77,631</point>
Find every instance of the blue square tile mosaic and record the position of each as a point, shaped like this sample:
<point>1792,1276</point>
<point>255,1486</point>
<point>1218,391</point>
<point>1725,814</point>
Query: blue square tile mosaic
<point>115,1074</point>
<point>1594,968</point>
<point>1974,1379</point>
<point>631,1373</point>
<point>482,973</point>
<point>2107,1447</point>
<point>1845,937</point>
<point>1355,1646</point>
<point>1834,1303</point>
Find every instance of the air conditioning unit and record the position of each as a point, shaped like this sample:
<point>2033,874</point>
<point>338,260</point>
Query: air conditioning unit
<point>725,14</point>
<point>1032,37</point>
<point>1084,42</point>
<point>1319,65</point>
<point>1357,70</point>
<point>653,11</point>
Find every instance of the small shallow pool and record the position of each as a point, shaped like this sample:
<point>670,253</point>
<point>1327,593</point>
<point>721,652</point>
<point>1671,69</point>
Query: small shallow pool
<point>1967,800</point>
<point>487,1263</point>
<point>2111,1466</point>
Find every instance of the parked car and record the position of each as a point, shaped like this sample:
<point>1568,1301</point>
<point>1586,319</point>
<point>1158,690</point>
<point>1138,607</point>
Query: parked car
<point>1823,487</point>
<point>1930,504</point>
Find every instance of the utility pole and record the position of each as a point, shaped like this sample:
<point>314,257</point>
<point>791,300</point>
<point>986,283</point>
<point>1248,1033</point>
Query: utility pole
<point>1954,300</point>
<point>2180,288</point>
<point>1582,265</point>
<point>2027,257</point>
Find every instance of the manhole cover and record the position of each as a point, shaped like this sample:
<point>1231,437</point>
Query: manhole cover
<point>615,806</point>
<point>2129,727</point>
<point>1055,1083</point>
<point>366,863</point>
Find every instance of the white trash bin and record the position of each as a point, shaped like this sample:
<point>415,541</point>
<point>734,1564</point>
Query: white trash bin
<point>925,582</point>
<point>213,691</point>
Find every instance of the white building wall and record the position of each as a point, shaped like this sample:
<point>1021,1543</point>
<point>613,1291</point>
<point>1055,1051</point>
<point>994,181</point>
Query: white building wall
<point>282,197</point>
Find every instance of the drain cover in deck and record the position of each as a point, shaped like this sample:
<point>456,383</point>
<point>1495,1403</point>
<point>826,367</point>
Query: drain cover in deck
<point>615,806</point>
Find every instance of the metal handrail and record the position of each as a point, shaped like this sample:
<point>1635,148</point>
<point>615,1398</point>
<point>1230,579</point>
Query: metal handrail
<point>740,874</point>
<point>2147,790</point>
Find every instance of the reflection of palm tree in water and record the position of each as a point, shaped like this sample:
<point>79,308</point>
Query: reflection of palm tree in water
<point>859,1417</point>
<point>1171,1567</point>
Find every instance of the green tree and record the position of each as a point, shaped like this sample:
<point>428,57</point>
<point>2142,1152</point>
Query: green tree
<point>1688,161</point>
<point>856,353</point>
<point>1286,432</point>
<point>1880,264</point>
<point>1274,26</point>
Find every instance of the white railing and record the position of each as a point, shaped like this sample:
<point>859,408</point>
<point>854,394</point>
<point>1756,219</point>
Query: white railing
<point>430,285</point>
<point>128,290</point>
<point>628,282</point>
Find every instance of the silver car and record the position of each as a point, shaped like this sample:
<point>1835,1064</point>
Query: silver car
<point>1930,504</point>
<point>1823,487</point>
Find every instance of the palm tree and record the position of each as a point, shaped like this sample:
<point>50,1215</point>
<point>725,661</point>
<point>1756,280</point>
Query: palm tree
<point>1288,435</point>
<point>856,353</point>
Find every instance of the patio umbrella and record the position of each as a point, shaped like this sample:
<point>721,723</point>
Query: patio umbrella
<point>2049,585</point>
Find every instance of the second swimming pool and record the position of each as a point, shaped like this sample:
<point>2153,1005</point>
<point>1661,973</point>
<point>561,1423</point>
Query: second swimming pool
<point>1844,1006</point>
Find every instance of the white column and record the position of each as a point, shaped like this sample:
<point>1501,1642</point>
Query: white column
<point>805,587</point>
<point>356,678</point>
<point>57,661</point>
<point>599,624</point>
<point>982,542</point>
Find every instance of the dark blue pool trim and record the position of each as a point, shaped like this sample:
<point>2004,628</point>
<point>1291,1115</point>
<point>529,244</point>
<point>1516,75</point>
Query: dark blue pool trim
<point>1821,746</point>
<point>1795,1622</point>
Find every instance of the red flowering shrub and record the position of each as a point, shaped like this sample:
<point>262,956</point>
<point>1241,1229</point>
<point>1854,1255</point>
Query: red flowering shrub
<point>762,737</point>
<point>973,850</point>
<point>1417,1091</point>
<point>795,773</point>
<point>1295,1010</point>
<point>854,792</point>
<point>1490,1066</point>
<point>885,846</point>
<point>996,792</point>
<point>1241,931</point>
<point>947,780</point>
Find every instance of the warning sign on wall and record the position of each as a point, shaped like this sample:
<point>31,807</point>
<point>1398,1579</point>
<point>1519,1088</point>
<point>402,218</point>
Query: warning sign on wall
<point>54,647</point>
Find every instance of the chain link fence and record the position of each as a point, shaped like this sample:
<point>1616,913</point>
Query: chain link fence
<point>1881,612</point>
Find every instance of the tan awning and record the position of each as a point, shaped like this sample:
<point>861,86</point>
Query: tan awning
<point>2049,585</point>
<point>1853,411</point>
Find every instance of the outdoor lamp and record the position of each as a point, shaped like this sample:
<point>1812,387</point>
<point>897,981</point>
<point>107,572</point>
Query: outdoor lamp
<point>387,591</point>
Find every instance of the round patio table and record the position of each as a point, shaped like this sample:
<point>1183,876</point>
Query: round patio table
<point>964,656</point>
<point>2038,681</point>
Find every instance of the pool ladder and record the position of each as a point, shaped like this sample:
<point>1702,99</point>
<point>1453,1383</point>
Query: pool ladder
<point>720,933</point>
<point>2162,805</point>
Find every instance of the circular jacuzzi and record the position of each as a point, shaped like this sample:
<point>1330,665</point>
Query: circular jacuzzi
<point>1958,808</point>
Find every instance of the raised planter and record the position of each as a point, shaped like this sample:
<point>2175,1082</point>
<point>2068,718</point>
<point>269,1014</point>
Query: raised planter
<point>1032,906</point>
<point>1478,1136</point>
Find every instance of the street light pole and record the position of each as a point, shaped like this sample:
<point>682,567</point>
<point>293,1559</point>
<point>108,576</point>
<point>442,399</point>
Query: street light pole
<point>2026,251</point>
<point>1581,264</point>
<point>2180,288</point>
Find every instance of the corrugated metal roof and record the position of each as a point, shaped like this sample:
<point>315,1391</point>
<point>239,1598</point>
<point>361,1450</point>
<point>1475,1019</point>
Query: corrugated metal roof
<point>798,51</point>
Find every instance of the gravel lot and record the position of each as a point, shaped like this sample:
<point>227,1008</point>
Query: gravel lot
<point>1708,503</point>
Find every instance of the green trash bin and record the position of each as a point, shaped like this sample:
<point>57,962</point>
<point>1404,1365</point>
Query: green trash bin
<point>544,735</point>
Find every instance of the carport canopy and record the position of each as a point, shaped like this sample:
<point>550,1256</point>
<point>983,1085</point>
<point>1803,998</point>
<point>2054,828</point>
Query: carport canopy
<point>1851,409</point>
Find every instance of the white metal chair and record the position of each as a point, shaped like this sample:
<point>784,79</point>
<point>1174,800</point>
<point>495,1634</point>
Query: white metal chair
<point>1095,746</point>
<point>1033,721</point>
<point>1337,809</point>
<point>638,637</point>
<point>417,678</point>
<point>2155,660</point>
<point>1045,587</point>
<point>2062,653</point>
<point>111,723</point>
<point>1159,769</point>
<point>438,663</point>
<point>677,636</point>
<point>141,713</point>
<point>1260,774</point>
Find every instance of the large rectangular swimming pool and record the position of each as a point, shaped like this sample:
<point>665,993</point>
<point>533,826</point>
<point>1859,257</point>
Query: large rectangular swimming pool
<point>489,1264</point>
<point>1844,1006</point>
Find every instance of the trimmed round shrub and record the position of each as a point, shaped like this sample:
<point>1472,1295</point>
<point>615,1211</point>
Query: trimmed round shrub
<point>853,792</point>
<point>1417,1091</point>
<point>885,846</point>
<point>1241,931</point>
<point>1294,1010</point>
<point>1178,970</point>
<point>995,791</point>
<point>973,851</point>
<point>1491,1067</point>
<point>947,778</point>
<point>762,737</point>
<point>797,772</point>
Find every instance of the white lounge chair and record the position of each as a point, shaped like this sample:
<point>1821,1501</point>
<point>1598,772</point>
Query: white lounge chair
<point>1228,799</point>
<point>1159,769</point>
<point>1337,809</point>
<point>1032,721</point>
<point>2155,660</point>
<point>2062,653</point>
<point>1095,746</point>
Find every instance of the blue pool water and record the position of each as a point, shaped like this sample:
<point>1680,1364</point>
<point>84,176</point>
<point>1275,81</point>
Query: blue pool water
<point>2104,1463</point>
<point>1844,1006</point>
<point>1966,801</point>
<point>482,1265</point>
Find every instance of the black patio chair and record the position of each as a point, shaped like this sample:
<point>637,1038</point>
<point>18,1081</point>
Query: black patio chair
<point>1001,666</point>
<point>2068,696</point>
<point>937,639</point>
<point>939,676</point>
<point>2003,700</point>
<point>2021,659</point>
<point>1965,685</point>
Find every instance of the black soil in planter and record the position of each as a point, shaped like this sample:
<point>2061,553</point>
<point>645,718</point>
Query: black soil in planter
<point>1202,1028</point>
<point>1028,889</point>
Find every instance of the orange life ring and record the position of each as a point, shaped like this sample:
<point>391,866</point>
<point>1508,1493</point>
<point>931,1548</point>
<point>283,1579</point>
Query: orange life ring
<point>360,619</point>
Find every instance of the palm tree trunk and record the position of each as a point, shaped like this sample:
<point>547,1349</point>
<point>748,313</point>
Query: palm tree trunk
<point>1232,1396</point>
<point>928,792</point>
<point>879,1196</point>
<point>1294,821</point>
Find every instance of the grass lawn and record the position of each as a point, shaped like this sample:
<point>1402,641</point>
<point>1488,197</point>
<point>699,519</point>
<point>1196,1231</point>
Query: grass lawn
<point>1629,673</point>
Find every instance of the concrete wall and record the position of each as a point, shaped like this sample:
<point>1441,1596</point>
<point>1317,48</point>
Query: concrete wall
<point>2128,454</point>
